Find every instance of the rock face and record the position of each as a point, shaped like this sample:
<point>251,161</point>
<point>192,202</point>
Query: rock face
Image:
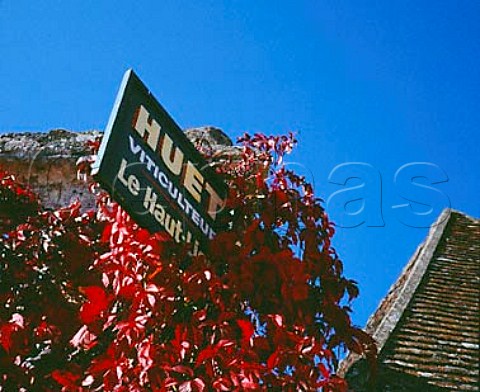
<point>46,162</point>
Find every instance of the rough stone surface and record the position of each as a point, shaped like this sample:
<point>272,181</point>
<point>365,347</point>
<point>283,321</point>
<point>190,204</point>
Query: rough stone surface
<point>55,143</point>
<point>209,137</point>
<point>213,142</point>
<point>47,161</point>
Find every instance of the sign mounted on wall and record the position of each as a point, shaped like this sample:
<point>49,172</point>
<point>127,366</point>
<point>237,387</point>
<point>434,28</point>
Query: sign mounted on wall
<point>154,172</point>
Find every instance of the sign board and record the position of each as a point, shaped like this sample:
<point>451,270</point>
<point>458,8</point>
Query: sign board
<point>154,172</point>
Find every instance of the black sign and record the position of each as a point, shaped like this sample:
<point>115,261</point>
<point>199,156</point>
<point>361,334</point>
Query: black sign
<point>154,172</point>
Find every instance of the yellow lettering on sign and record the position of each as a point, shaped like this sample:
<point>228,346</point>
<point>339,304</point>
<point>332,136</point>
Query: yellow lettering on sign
<point>174,159</point>
<point>193,181</point>
<point>142,123</point>
<point>175,163</point>
<point>215,204</point>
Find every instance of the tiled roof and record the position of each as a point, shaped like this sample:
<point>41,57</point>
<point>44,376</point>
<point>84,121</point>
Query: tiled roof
<point>427,328</point>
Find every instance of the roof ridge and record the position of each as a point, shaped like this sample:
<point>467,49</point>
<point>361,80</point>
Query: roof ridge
<point>413,271</point>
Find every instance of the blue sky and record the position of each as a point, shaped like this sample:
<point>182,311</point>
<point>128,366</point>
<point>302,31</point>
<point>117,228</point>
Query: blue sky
<point>384,84</point>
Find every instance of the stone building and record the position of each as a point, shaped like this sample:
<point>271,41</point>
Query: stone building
<point>427,328</point>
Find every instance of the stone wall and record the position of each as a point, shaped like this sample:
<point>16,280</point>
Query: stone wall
<point>46,162</point>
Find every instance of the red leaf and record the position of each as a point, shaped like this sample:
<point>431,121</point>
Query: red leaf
<point>196,385</point>
<point>6,332</point>
<point>128,292</point>
<point>96,304</point>
<point>277,319</point>
<point>183,370</point>
<point>142,235</point>
<point>323,369</point>
<point>259,180</point>
<point>10,337</point>
<point>84,338</point>
<point>247,330</point>
<point>272,360</point>
<point>207,353</point>
<point>107,231</point>
<point>94,293</point>
<point>66,379</point>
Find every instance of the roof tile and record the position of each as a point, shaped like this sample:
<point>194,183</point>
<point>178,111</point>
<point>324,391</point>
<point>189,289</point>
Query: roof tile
<point>428,326</point>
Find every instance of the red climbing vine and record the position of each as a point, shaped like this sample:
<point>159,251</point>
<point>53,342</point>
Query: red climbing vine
<point>91,301</point>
